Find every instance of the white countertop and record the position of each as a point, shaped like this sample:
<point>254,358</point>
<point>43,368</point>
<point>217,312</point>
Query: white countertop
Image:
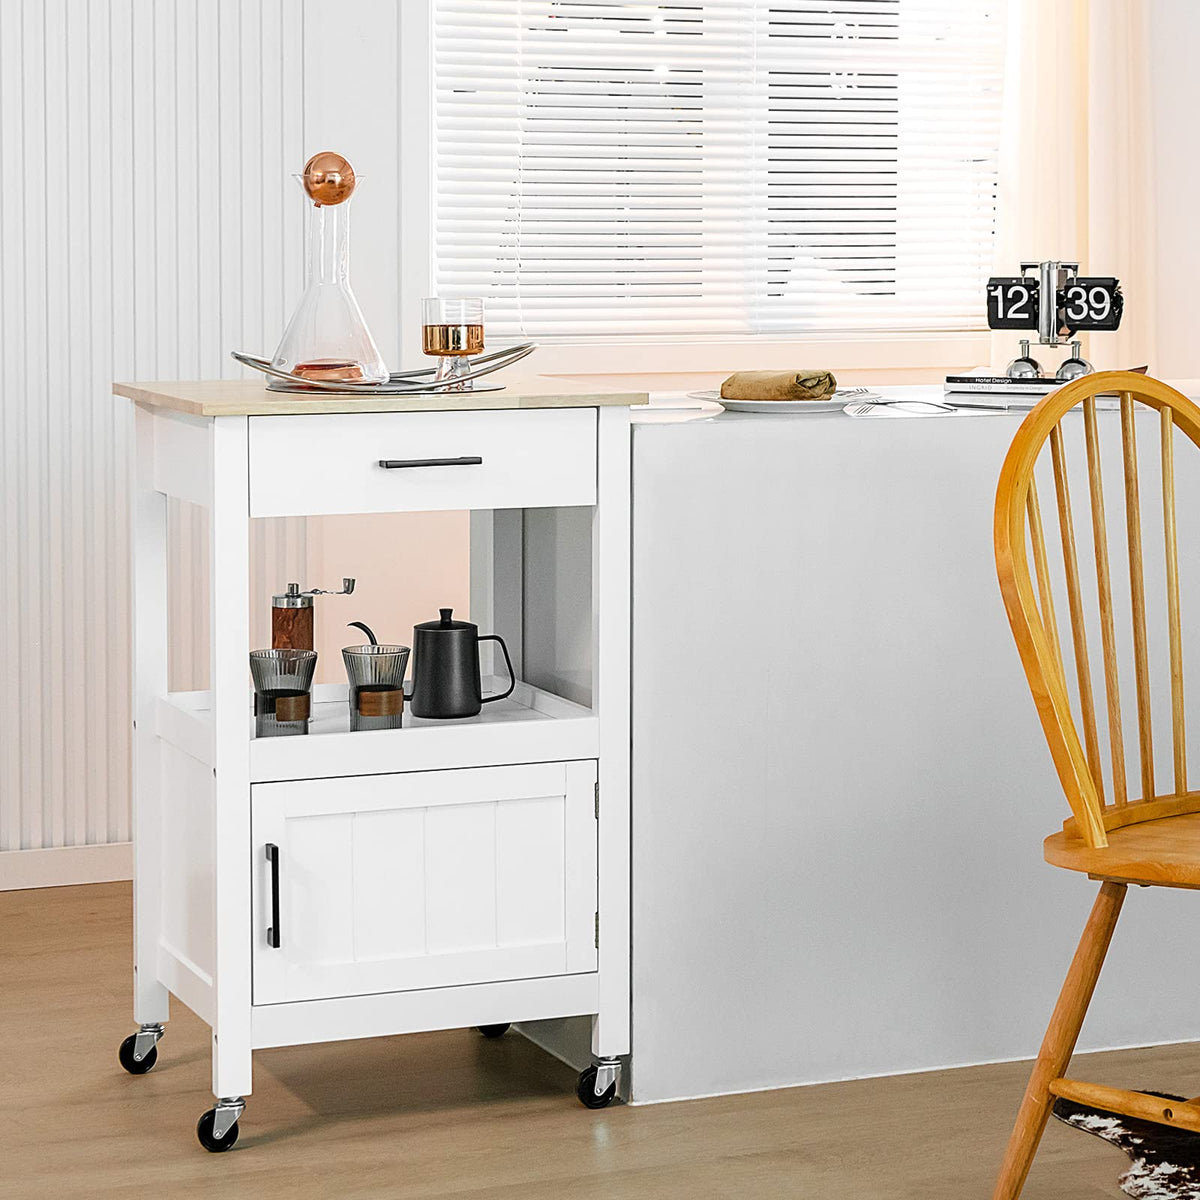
<point>667,408</point>
<point>670,408</point>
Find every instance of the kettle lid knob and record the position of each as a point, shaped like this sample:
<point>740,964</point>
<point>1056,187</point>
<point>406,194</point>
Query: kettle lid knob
<point>446,615</point>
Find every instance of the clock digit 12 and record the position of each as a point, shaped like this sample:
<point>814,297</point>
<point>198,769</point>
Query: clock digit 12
<point>1013,302</point>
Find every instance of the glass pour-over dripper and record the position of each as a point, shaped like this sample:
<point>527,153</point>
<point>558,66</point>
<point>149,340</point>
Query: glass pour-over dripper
<point>327,338</point>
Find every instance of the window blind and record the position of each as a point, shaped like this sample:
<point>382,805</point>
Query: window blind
<point>717,167</point>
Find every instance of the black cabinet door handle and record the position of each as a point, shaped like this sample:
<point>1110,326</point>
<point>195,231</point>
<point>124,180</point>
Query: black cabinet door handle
<point>273,928</point>
<point>397,464</point>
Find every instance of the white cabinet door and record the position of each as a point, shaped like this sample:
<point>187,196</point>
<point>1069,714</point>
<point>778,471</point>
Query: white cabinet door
<point>386,883</point>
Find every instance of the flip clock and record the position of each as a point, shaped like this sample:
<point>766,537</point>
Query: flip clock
<point>1056,302</point>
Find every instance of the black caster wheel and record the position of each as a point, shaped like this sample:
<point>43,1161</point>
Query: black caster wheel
<point>126,1059</point>
<point>494,1031</point>
<point>204,1131</point>
<point>585,1089</point>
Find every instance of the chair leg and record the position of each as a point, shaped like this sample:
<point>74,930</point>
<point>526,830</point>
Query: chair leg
<point>1059,1042</point>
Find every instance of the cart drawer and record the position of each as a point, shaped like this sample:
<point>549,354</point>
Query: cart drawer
<point>513,458</point>
<point>390,883</point>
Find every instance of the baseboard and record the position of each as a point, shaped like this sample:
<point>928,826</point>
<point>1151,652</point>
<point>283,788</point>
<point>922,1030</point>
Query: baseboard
<point>62,866</point>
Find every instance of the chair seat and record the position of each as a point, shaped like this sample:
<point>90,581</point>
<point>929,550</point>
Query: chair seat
<point>1166,852</point>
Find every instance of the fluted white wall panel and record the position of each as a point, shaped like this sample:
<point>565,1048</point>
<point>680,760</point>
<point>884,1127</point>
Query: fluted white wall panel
<point>147,227</point>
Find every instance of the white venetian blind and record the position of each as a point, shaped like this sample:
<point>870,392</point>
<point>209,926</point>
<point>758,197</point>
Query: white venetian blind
<point>720,167</point>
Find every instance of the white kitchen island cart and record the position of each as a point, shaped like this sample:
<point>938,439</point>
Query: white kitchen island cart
<point>448,873</point>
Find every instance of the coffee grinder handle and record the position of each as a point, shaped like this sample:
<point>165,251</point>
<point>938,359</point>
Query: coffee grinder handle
<point>512,676</point>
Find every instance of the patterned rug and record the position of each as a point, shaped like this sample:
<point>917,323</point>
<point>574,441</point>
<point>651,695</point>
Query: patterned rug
<point>1166,1161</point>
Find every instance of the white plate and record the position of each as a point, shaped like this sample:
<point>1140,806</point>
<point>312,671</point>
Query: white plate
<point>832,404</point>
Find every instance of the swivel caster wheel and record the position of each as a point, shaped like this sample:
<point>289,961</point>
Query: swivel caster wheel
<point>217,1129</point>
<point>139,1051</point>
<point>494,1031</point>
<point>597,1086</point>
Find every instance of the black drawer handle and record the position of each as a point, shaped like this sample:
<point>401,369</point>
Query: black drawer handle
<point>397,464</point>
<point>273,928</point>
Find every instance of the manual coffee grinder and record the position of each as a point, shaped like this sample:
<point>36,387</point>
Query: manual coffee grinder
<point>292,615</point>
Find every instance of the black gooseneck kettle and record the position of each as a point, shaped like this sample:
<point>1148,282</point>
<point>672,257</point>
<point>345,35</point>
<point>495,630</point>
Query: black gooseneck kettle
<point>446,680</point>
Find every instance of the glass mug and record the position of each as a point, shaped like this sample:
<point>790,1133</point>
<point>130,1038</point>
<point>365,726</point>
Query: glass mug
<point>451,331</point>
<point>282,691</point>
<point>376,695</point>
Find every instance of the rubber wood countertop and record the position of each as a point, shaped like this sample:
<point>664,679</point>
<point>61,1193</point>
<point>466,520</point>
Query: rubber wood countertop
<point>250,398</point>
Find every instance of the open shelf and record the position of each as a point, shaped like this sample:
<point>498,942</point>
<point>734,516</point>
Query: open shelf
<point>532,725</point>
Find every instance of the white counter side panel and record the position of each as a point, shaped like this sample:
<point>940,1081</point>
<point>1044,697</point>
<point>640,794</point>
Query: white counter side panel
<point>840,787</point>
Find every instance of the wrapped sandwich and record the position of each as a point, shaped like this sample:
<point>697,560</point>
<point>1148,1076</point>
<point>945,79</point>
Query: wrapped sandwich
<point>779,385</point>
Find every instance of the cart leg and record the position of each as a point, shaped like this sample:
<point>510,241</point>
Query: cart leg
<point>610,1036</point>
<point>151,1004</point>
<point>611,573</point>
<point>229,579</point>
<point>149,534</point>
<point>232,1066</point>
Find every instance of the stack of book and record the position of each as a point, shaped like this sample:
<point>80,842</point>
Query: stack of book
<point>1000,385</point>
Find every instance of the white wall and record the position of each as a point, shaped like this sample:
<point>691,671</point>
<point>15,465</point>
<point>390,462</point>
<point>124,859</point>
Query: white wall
<point>147,227</point>
<point>1174,40</point>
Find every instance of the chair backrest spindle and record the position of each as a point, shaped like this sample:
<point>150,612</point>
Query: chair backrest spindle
<point>1021,534</point>
<point>1137,593</point>
<point>1108,637</point>
<point>1083,669</point>
<point>1037,539</point>
<point>1175,633</point>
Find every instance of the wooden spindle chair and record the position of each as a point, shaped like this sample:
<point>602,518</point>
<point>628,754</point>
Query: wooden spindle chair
<point>1112,836</point>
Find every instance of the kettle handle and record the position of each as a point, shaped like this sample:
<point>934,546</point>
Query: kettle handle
<point>512,677</point>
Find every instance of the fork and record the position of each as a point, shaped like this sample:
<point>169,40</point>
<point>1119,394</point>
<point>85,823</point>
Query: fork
<point>861,409</point>
<point>865,406</point>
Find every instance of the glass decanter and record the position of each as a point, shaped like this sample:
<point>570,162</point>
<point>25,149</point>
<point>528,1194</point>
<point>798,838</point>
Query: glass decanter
<point>327,338</point>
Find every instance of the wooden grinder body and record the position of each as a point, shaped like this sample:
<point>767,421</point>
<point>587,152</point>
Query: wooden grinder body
<point>292,628</point>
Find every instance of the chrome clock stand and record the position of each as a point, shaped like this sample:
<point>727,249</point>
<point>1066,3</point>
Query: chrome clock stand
<point>1052,276</point>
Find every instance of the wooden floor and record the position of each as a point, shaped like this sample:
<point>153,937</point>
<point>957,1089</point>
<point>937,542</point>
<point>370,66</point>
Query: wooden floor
<point>450,1114</point>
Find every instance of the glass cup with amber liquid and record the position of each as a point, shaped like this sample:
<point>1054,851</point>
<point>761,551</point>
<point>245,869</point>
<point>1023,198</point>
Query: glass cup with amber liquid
<point>452,330</point>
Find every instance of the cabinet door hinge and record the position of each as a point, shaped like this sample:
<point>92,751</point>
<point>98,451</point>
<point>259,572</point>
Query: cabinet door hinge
<point>597,930</point>
<point>597,794</point>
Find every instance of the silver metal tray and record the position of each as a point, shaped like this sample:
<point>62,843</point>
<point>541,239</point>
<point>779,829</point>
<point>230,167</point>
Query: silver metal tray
<point>399,383</point>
